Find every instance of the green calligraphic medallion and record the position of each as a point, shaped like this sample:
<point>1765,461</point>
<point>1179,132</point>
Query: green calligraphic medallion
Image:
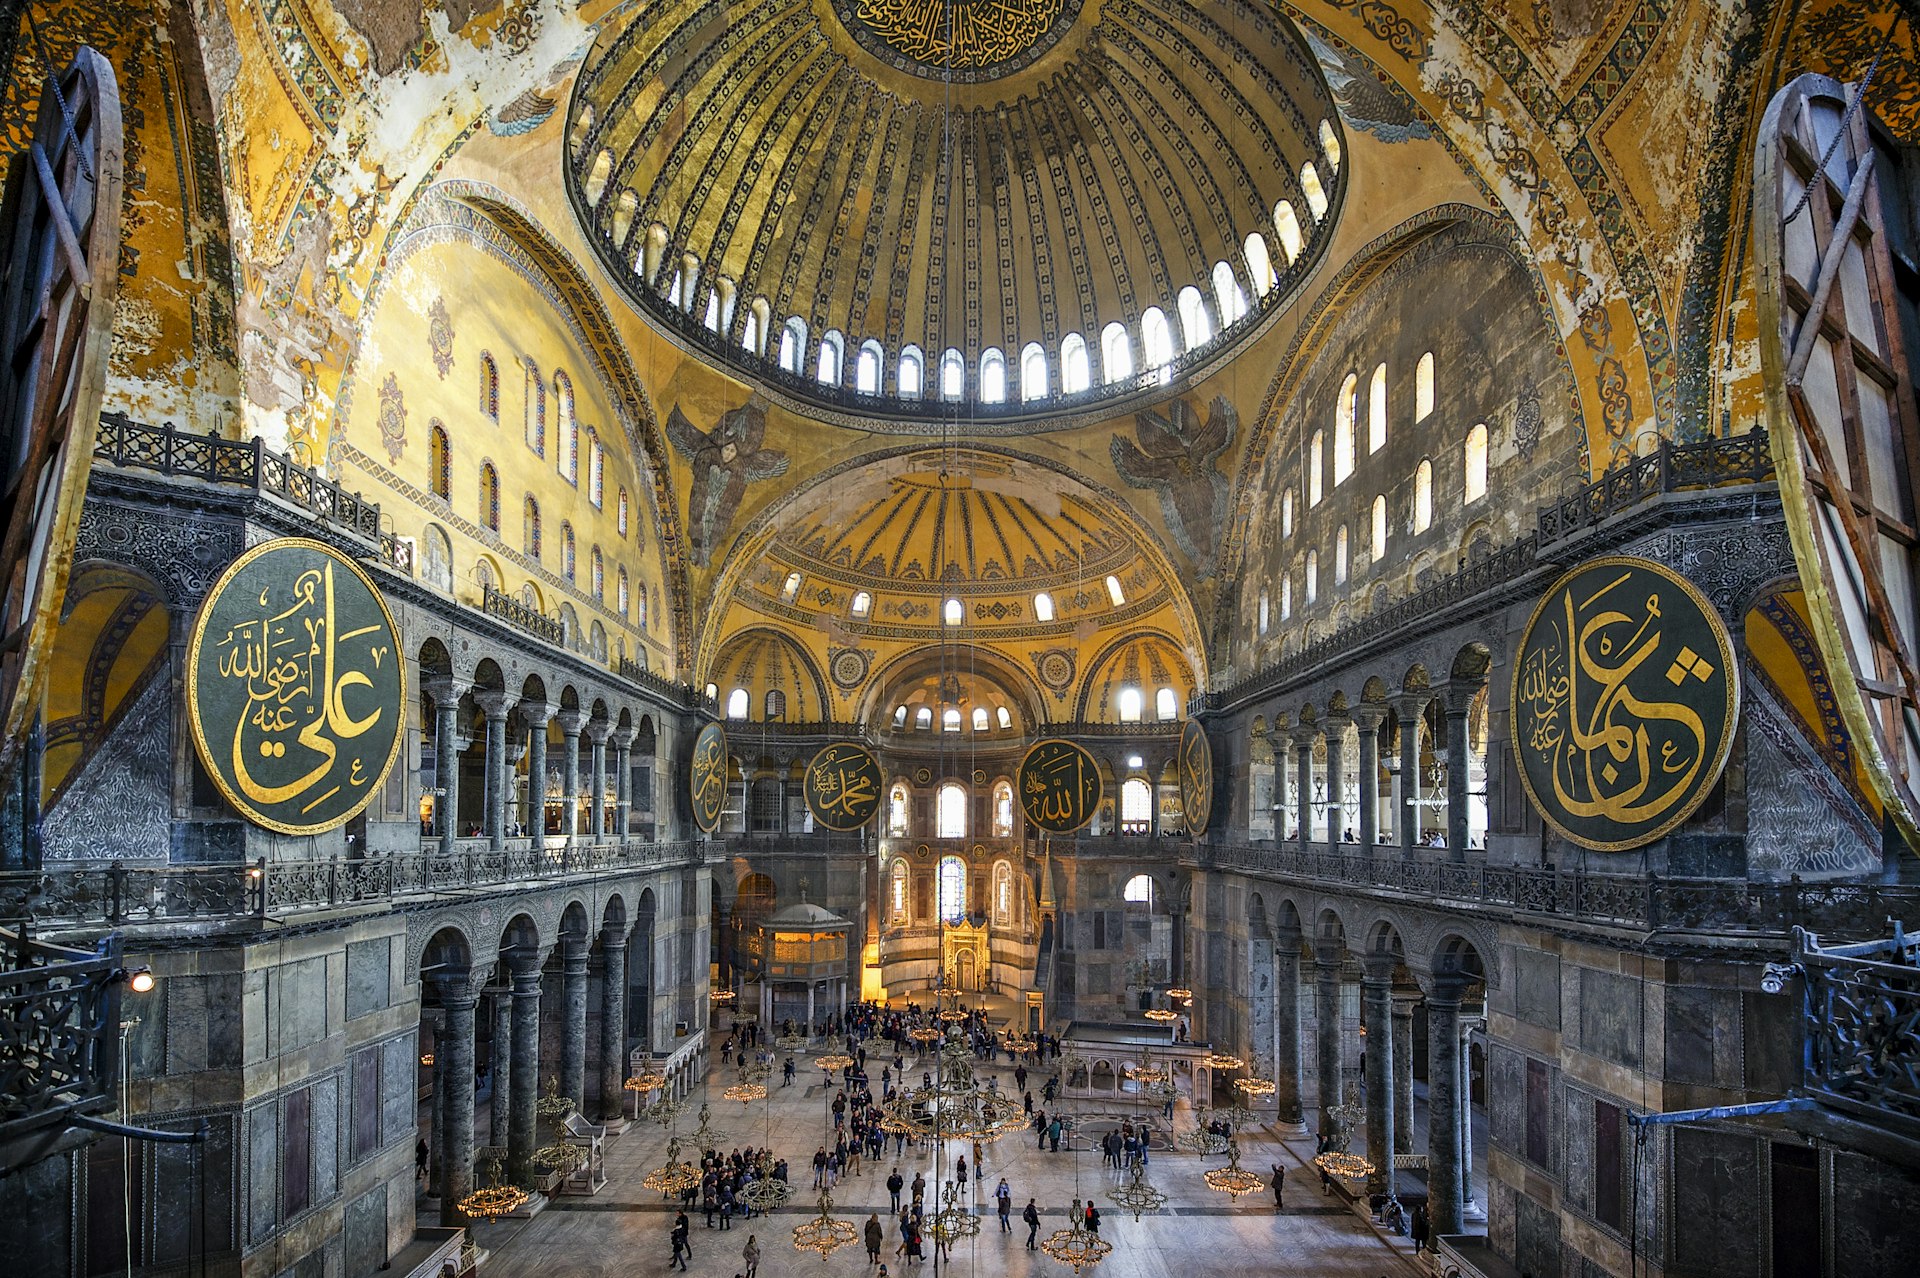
<point>843,786</point>
<point>296,686</point>
<point>1625,698</point>
<point>1196,777</point>
<point>1059,786</point>
<point>707,780</point>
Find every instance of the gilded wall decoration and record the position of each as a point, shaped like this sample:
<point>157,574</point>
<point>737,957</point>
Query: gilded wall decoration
<point>440,337</point>
<point>1055,667</point>
<point>724,461</point>
<point>848,667</point>
<point>393,417</point>
<point>1176,458</point>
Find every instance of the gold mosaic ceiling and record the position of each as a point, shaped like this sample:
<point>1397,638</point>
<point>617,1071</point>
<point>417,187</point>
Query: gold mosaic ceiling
<point>753,151</point>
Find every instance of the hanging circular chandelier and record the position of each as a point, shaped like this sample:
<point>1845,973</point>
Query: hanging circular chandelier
<point>765,1192</point>
<point>1343,1164</point>
<point>651,1080</point>
<point>561,1156</point>
<point>1182,995</point>
<point>791,1042</point>
<point>925,1035</point>
<point>495,1199</point>
<point>824,1234</point>
<point>756,1072</point>
<point>674,1176</point>
<point>1233,1180</point>
<point>553,1106</point>
<point>953,1222</point>
<point>1162,1015</point>
<point>722,996</point>
<point>1020,1047</point>
<point>1222,1061</point>
<point>1075,1245</point>
<point>1254,1087</point>
<point>745,1093</point>
<point>704,1137</point>
<point>1138,1195</point>
<point>1203,1142</point>
<point>663,1111</point>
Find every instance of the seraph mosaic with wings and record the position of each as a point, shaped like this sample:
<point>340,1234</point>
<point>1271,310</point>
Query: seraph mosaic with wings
<point>1176,457</point>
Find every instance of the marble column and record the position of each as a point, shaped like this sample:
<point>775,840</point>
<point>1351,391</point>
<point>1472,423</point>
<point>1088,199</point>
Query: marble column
<point>1458,702</point>
<point>1303,739</point>
<point>571,721</point>
<point>453,1072</point>
<point>573,1019</point>
<point>1468,1024</point>
<point>1445,1176</point>
<point>1410,710</point>
<point>1328,958</point>
<point>1403,1076</point>
<point>446,759</point>
<point>613,1022</point>
<point>1376,1000</point>
<point>1286,1019</point>
<point>597,783</point>
<point>495,706</point>
<point>1366,722</point>
<point>437,1110</point>
<point>524,1072</point>
<point>1336,781</point>
<point>537,715</point>
<point>622,785</point>
<point>502,1066</point>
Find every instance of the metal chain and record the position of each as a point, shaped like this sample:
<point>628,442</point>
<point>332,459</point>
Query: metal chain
<point>66,111</point>
<point>1846,118</point>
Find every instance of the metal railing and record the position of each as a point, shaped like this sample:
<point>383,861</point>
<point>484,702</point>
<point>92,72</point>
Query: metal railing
<point>679,693</point>
<point>59,1033</point>
<point>504,607</point>
<point>1713,463</point>
<point>166,450</point>
<point>112,894</point>
<point>1648,903</point>
<point>1862,1011</point>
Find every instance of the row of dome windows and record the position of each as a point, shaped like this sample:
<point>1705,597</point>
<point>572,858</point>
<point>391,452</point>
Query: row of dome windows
<point>952,612</point>
<point>1201,318</point>
<point>1474,456</point>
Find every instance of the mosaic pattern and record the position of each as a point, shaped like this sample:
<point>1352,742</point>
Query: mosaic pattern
<point>968,40</point>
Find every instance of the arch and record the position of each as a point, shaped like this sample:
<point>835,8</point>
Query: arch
<point>899,809</point>
<point>1001,809</point>
<point>1141,890</point>
<point>1475,460</point>
<point>1033,372</point>
<point>1330,145</point>
<point>1076,368</point>
<point>530,528</point>
<point>993,376</point>
<point>867,368</point>
<point>793,344</point>
<point>1315,193</point>
<point>760,659</point>
<point>1140,660</point>
<point>910,375</point>
<point>899,903</point>
<point>951,901</point>
<point>437,558</point>
<point>439,461</point>
<point>536,417</point>
<point>1377,409</point>
<point>489,496</point>
<point>1116,353</point>
<point>830,365</point>
<point>1345,408</point>
<point>1196,326</point>
<point>1156,338</point>
<point>567,426</point>
<point>1423,389</point>
<point>1286,224</point>
<point>1136,806</point>
<point>489,388</point>
<point>1381,531</point>
<point>1423,495</point>
<point>953,374</point>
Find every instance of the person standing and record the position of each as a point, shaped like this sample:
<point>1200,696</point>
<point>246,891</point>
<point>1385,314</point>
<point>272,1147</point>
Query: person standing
<point>894,1185</point>
<point>1032,1216</point>
<point>1279,1183</point>
<point>681,1247</point>
<point>1420,1227</point>
<point>874,1237</point>
<point>1003,1195</point>
<point>751,1254</point>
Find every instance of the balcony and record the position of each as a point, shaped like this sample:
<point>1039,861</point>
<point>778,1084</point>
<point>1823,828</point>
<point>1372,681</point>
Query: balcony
<point>59,1051</point>
<point>1862,1011</point>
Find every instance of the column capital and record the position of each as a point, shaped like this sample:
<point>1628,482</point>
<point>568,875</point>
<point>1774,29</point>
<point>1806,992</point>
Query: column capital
<point>493,702</point>
<point>571,721</point>
<point>444,688</point>
<point>1410,705</point>
<point>458,991</point>
<point>1446,989</point>
<point>1303,735</point>
<point>613,938</point>
<point>1378,967</point>
<point>622,738</point>
<point>1329,952</point>
<point>537,712</point>
<point>524,967</point>
<point>1456,695</point>
<point>1334,722</point>
<point>1369,717</point>
<point>597,731</point>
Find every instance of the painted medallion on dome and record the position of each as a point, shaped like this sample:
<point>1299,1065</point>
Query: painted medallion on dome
<point>969,39</point>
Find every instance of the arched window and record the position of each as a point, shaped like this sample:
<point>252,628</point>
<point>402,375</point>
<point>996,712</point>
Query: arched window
<point>1033,372</point>
<point>621,519</point>
<point>953,374</point>
<point>776,704</point>
<point>753,334</point>
<point>950,719</point>
<point>569,427</point>
<point>1286,597</point>
<point>1476,463</point>
<point>1343,415</point>
<point>793,344</point>
<point>530,529</point>
<point>862,603</point>
<point>866,371</point>
<point>1136,806</point>
<point>1138,891</point>
<point>832,359</point>
<point>790,589</point>
<point>686,277</point>
<point>1002,893</point>
<point>1196,329</point>
<point>1166,705</point>
<point>1130,704</point>
<point>489,388</point>
<point>566,550</point>
<point>737,704</point>
<point>1379,545</point>
<point>1260,265</point>
<point>439,461</point>
<point>1316,194</point>
<point>993,376</point>
<point>1286,513</point>
<point>1423,387</point>
<point>1043,607</point>
<point>1423,496</point>
<point>1228,293</point>
<point>899,900</point>
<point>900,717</point>
<point>720,305</point>
<point>713,692</point>
<point>1340,556</point>
<point>923,718</point>
<point>1156,338</point>
<point>653,252</point>
<point>897,808</point>
<point>953,873</point>
<point>596,469</point>
<point>599,574</point>
<point>1286,224</point>
<point>1316,449</point>
<point>1001,716</point>
<point>596,184</point>
<point>640,609</point>
<point>952,814</point>
<point>1313,577</point>
<point>1330,144</point>
<point>1262,615</point>
<point>952,613</point>
<point>1116,353</point>
<point>1076,369</point>
<point>625,597</point>
<point>1002,810</point>
<point>911,375</point>
<point>980,721</point>
<point>1377,410</point>
<point>490,496</point>
<point>1114,594</point>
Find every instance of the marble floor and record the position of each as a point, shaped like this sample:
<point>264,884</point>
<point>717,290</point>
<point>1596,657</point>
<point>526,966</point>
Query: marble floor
<point>623,1229</point>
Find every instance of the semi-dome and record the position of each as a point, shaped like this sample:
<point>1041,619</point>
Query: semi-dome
<point>932,207</point>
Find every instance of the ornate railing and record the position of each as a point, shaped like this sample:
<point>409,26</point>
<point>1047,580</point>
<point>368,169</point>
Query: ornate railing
<point>133,445</point>
<point>504,607</point>
<point>59,1026</point>
<point>677,693</point>
<point>1862,1005</point>
<point>1713,463</point>
<point>116,895</point>
<point>1648,904</point>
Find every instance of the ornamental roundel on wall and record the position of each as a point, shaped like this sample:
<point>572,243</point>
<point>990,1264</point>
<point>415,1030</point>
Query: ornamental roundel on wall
<point>843,784</point>
<point>1196,777</point>
<point>707,777</point>
<point>848,667</point>
<point>1059,786</point>
<point>1625,699</point>
<point>296,686</point>
<point>1055,668</point>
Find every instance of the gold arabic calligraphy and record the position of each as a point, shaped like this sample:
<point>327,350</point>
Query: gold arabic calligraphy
<point>843,786</point>
<point>963,35</point>
<point>709,780</point>
<point>1059,786</point>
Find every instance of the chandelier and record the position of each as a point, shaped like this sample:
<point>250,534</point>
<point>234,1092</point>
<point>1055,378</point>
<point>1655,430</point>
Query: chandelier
<point>1020,1046</point>
<point>925,1035</point>
<point>765,1192</point>
<point>1180,994</point>
<point>1161,1015</point>
<point>791,1042</point>
<point>703,1135</point>
<point>833,1056</point>
<point>495,1199</point>
<point>663,1111</point>
<point>651,1080</point>
<point>561,1156</point>
<point>953,1222</point>
<point>1146,1073</point>
<point>722,996</point>
<point>823,1233</point>
<point>553,1106</point>
<point>1255,1087</point>
<point>1203,1142</point>
<point>1222,1061</point>
<point>1338,1160</point>
<point>1233,1180</point>
<point>1138,1195</point>
<point>1075,1245</point>
<point>674,1177</point>
<point>746,1093</point>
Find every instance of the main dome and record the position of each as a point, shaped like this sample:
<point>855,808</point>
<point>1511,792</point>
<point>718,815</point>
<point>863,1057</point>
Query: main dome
<point>917,209</point>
